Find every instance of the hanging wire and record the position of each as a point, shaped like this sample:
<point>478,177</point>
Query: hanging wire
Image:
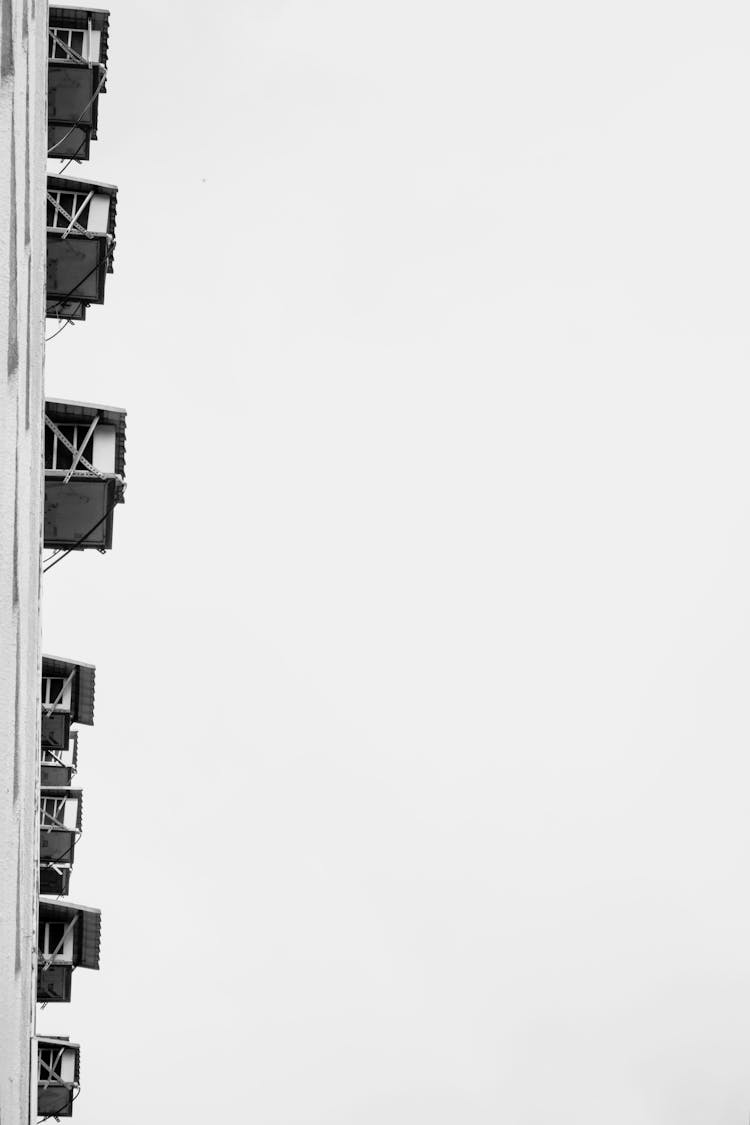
<point>51,1115</point>
<point>75,124</point>
<point>48,338</point>
<point>72,158</point>
<point>83,538</point>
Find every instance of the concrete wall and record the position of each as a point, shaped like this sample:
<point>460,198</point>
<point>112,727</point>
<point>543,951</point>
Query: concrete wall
<point>23,77</point>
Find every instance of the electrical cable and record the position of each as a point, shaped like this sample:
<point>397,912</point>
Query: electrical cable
<point>72,158</point>
<point>48,338</point>
<point>83,538</point>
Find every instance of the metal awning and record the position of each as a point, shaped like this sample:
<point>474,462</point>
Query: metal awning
<point>62,410</point>
<point>82,709</point>
<point>78,18</point>
<point>87,930</point>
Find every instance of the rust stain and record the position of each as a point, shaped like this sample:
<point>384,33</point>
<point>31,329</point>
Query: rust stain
<point>13,257</point>
<point>7,63</point>
<point>19,959</point>
<point>16,514</point>
<point>27,177</point>
<point>28,340</point>
<point>17,748</point>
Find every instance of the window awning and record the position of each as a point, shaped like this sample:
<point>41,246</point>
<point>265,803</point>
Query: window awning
<point>78,18</point>
<point>82,710</point>
<point>87,930</point>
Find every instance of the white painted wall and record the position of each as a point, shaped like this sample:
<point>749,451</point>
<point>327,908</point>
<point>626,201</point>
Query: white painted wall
<point>23,78</point>
<point>70,819</point>
<point>68,1065</point>
<point>104,449</point>
<point>98,219</point>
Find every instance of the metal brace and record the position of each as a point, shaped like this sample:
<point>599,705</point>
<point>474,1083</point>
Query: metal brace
<point>78,457</point>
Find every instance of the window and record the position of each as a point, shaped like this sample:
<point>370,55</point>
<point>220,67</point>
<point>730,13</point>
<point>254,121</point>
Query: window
<point>58,756</point>
<point>52,687</point>
<point>56,453</point>
<point>66,43</point>
<point>50,1065</point>
<point>53,812</point>
<point>65,206</point>
<point>51,937</point>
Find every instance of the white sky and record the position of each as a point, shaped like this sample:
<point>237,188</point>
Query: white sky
<point>419,786</point>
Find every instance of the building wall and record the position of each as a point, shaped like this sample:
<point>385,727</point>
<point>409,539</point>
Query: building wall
<point>23,77</point>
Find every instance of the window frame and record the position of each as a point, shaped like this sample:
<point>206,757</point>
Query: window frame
<point>49,697</point>
<point>55,820</point>
<point>46,947</point>
<point>60,39</point>
<point>65,428</point>
<point>78,209</point>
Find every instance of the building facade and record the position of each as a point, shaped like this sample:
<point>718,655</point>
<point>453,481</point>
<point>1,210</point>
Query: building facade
<point>61,477</point>
<point>23,143</point>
